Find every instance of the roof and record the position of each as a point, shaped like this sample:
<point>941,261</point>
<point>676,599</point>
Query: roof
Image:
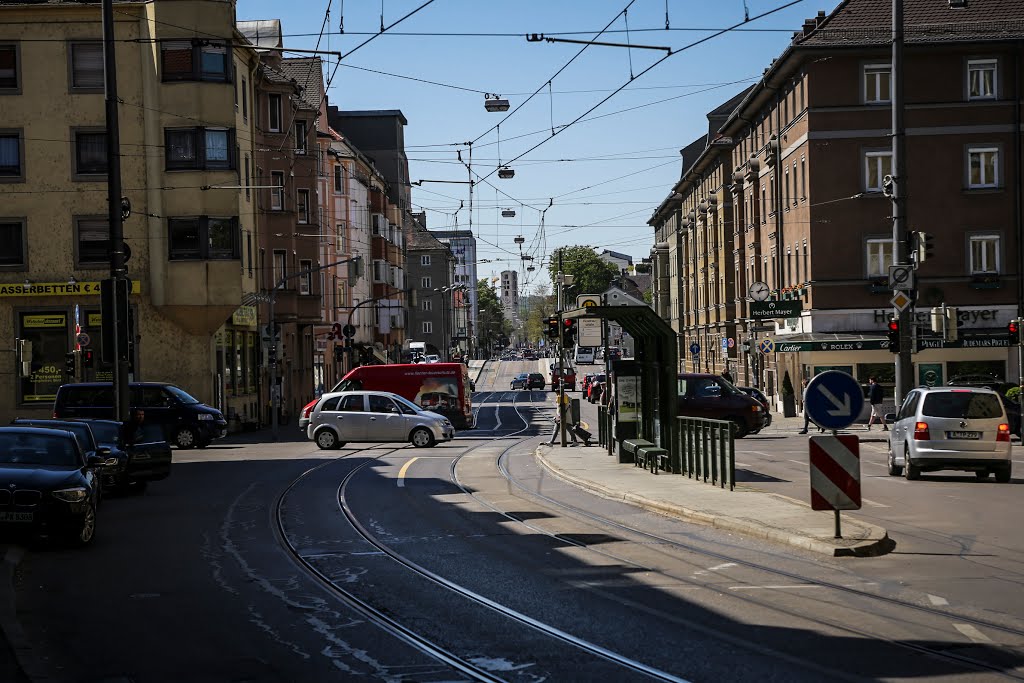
<point>869,22</point>
<point>371,113</point>
<point>308,73</point>
<point>263,33</point>
<point>423,240</point>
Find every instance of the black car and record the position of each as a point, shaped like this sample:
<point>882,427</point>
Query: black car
<point>112,475</point>
<point>186,422</point>
<point>535,381</point>
<point>48,486</point>
<point>148,456</point>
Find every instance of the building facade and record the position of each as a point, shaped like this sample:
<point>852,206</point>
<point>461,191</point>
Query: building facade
<point>432,275</point>
<point>508,294</point>
<point>190,232</point>
<point>809,153</point>
<point>463,246</point>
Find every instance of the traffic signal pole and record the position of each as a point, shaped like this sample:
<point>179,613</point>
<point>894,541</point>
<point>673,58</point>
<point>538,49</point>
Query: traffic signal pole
<point>561,357</point>
<point>904,359</point>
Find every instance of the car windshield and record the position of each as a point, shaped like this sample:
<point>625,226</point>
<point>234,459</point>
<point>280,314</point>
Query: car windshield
<point>182,396</point>
<point>30,449</point>
<point>407,403</point>
<point>962,405</point>
<point>80,430</point>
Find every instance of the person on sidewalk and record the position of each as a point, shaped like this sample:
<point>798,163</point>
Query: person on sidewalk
<point>807,416</point>
<point>727,376</point>
<point>875,399</point>
<point>560,414</point>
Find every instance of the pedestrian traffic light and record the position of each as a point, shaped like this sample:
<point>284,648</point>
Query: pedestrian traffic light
<point>893,335</point>
<point>552,327</point>
<point>1013,332</point>
<point>70,363</point>
<point>924,246</point>
<point>87,358</point>
<point>569,331</point>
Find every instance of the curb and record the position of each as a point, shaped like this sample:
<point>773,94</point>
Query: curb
<point>879,543</point>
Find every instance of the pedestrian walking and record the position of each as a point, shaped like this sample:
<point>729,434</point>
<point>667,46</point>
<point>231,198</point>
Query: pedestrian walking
<point>727,376</point>
<point>807,415</point>
<point>875,399</point>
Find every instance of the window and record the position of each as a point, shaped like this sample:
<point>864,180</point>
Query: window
<point>10,69</point>
<point>203,237</point>
<point>427,305</point>
<point>881,253</point>
<point>984,254</point>
<point>302,205</point>
<point>12,166</point>
<point>983,167</point>
<point>981,79</point>
<point>877,83</point>
<point>12,244</point>
<point>803,178</point>
<point>86,66</point>
<point>194,60</point>
<point>795,193</point>
<point>48,332</point>
<point>274,112</point>
<point>199,148</point>
<point>425,260</point>
<point>340,241</point>
<point>280,266</point>
<point>339,179</point>
<point>92,240</point>
<point>90,152</point>
<point>245,101</point>
<point>305,276</point>
<point>877,165</point>
<point>788,194</point>
<point>277,196</point>
<point>428,327</point>
<point>341,295</point>
<point>381,271</point>
<point>247,178</point>
<point>425,283</point>
<point>764,205</point>
<point>301,130</point>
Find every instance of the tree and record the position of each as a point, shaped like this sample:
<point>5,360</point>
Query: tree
<point>591,274</point>
<point>491,323</point>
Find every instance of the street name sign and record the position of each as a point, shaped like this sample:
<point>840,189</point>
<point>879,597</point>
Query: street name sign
<point>834,400</point>
<point>835,472</point>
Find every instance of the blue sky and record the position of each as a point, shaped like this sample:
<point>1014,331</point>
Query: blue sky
<point>606,175</point>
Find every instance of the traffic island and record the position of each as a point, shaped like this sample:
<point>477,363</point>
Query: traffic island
<point>753,513</point>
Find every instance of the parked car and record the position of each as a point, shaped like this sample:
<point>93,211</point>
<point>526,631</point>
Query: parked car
<point>710,396</point>
<point>374,416</point>
<point>48,486</point>
<point>89,444</point>
<point>148,454</point>
<point>186,422</point>
<point>950,428</point>
<point>763,400</point>
<point>433,358</point>
<point>519,381</point>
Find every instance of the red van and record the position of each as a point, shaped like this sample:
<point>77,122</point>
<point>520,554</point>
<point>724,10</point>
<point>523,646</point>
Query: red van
<point>442,388</point>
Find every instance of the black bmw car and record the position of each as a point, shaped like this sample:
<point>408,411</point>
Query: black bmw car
<point>113,477</point>
<point>48,486</point>
<point>147,455</point>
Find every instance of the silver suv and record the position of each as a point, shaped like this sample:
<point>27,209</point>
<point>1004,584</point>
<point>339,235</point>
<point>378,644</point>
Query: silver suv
<point>371,416</point>
<point>950,428</point>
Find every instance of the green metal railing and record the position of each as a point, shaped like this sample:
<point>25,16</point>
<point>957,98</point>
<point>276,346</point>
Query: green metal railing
<point>706,451</point>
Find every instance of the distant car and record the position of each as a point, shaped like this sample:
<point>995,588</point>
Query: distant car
<point>567,378</point>
<point>950,428</point>
<point>374,416</point>
<point>519,381</point>
<point>536,381</point>
<point>48,486</point>
<point>433,358</point>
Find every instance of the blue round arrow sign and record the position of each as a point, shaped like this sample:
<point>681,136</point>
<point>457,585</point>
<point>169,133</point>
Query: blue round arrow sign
<point>834,400</point>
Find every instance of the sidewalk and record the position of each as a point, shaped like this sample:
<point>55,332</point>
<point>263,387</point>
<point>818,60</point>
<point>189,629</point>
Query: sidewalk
<point>745,510</point>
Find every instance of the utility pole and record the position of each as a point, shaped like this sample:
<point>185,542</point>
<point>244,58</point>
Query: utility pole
<point>561,354</point>
<point>115,321</point>
<point>904,359</point>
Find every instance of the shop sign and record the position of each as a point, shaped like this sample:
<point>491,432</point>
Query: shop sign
<point>775,309</point>
<point>964,343</point>
<point>93,319</point>
<point>44,320</point>
<point>58,289</point>
<point>244,316</point>
<point>853,345</point>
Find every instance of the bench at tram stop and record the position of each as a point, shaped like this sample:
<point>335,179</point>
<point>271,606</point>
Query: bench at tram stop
<point>646,454</point>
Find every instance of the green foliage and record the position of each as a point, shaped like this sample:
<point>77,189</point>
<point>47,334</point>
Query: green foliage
<point>591,275</point>
<point>491,324</point>
<point>1013,394</point>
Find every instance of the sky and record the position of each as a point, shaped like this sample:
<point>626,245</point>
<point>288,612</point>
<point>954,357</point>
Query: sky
<point>599,161</point>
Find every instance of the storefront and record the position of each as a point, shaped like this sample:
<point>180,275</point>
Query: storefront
<point>236,350</point>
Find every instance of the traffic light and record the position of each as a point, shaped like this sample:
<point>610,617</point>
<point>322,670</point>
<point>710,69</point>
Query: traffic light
<point>1013,332</point>
<point>70,363</point>
<point>746,346</point>
<point>569,331</point>
<point>923,246</point>
<point>87,358</point>
<point>552,328</point>
<point>893,335</point>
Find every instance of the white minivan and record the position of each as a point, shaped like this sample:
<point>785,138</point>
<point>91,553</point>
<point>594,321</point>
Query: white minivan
<point>584,355</point>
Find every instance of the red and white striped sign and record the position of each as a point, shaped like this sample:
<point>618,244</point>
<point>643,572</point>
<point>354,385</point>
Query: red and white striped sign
<point>835,472</point>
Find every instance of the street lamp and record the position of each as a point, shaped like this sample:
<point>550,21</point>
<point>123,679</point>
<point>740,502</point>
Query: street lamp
<point>494,102</point>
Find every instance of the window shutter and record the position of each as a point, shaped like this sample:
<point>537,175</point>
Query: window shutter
<point>87,65</point>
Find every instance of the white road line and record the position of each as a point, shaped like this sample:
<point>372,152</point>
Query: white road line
<point>797,585</point>
<point>743,464</point>
<point>873,503</point>
<point>972,633</point>
<point>715,568</point>
<point>937,601</point>
<point>497,416</point>
<point>401,472</point>
<point>799,462</point>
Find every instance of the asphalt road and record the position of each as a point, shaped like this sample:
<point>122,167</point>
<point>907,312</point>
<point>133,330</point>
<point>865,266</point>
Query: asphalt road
<point>280,562</point>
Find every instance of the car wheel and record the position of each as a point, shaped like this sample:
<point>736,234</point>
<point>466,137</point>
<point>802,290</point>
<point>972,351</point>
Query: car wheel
<point>911,472</point>
<point>421,438</point>
<point>739,428</point>
<point>1003,474</point>
<point>185,438</point>
<point>894,469</point>
<point>138,487</point>
<point>327,440</point>
<point>981,475</point>
<point>85,533</point>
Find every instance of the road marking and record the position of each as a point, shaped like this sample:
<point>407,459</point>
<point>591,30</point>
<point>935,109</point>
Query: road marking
<point>937,601</point>
<point>743,464</point>
<point>972,633</point>
<point>401,472</point>
<point>873,503</point>
<point>799,462</point>
<point>797,585</point>
<point>497,416</point>
<point>715,568</point>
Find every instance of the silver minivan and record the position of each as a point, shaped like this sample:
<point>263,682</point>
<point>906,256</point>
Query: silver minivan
<point>950,428</point>
<point>372,416</point>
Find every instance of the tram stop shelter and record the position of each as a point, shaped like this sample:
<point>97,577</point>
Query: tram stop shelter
<point>655,363</point>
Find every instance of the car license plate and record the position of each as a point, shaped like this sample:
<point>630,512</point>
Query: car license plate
<point>963,435</point>
<point>16,516</point>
